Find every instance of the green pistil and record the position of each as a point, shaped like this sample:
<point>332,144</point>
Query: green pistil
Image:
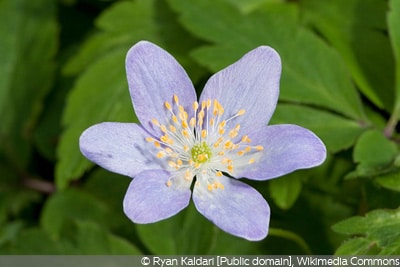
<point>201,153</point>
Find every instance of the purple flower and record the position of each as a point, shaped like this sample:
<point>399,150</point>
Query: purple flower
<point>209,143</point>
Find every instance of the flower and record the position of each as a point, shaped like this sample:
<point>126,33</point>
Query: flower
<point>207,144</point>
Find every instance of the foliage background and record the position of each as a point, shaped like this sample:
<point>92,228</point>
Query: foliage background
<point>62,70</point>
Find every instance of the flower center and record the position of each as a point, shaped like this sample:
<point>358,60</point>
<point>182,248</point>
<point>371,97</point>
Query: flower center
<point>201,153</point>
<point>204,145</point>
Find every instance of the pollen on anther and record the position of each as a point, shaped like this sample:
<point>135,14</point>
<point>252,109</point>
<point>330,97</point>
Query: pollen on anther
<point>259,148</point>
<point>241,112</point>
<point>167,105</point>
<point>157,144</point>
<point>169,183</point>
<point>204,133</point>
<point>172,129</point>
<point>192,122</point>
<point>176,99</point>
<point>195,106</point>
<point>163,128</point>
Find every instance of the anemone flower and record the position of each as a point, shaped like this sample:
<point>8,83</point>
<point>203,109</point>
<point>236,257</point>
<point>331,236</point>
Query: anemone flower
<point>206,144</point>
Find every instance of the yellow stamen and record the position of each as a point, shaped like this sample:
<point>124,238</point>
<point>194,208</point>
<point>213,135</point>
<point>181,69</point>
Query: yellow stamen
<point>195,106</point>
<point>241,112</point>
<point>168,105</point>
<point>176,99</point>
<point>259,148</point>
<point>204,133</point>
<point>172,129</point>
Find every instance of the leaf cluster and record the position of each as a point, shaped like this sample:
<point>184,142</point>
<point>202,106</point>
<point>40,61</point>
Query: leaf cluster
<point>62,70</point>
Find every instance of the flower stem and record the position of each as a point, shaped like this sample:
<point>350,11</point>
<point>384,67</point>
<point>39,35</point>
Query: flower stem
<point>291,236</point>
<point>392,122</point>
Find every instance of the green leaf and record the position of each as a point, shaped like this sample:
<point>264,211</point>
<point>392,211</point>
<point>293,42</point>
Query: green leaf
<point>357,246</point>
<point>374,151</point>
<point>313,72</point>
<point>28,31</point>
<point>81,238</point>
<point>91,239</point>
<point>14,199</point>
<point>358,38</point>
<point>190,233</point>
<point>380,228</point>
<point>390,181</point>
<point>101,91</point>
<point>36,241</point>
<point>69,205</point>
<point>336,132</point>
<point>286,190</point>
<point>393,19</point>
<point>91,101</point>
<point>175,232</point>
<point>250,5</point>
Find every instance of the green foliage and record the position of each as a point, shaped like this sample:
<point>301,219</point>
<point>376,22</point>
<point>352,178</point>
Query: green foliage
<point>378,232</point>
<point>29,42</point>
<point>340,79</point>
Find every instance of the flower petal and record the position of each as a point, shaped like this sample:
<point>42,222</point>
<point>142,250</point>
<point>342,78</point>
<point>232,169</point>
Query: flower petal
<point>119,147</point>
<point>154,76</point>
<point>286,148</point>
<point>237,208</point>
<point>251,83</point>
<point>149,199</point>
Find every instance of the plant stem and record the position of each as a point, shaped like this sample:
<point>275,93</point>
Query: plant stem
<point>291,236</point>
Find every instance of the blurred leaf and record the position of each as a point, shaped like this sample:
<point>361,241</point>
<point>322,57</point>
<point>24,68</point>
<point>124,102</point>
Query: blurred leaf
<point>49,127</point>
<point>83,238</point>
<point>356,28</point>
<point>124,24</point>
<point>110,189</point>
<point>313,72</point>
<point>101,91</point>
<point>107,186</point>
<point>190,233</point>
<point>251,5</point>
<point>69,205</point>
<point>286,190</point>
<point>9,232</point>
<point>36,241</point>
<point>175,232</point>
<point>90,239</point>
<point>374,154</point>
<point>14,199</point>
<point>336,132</point>
<point>393,19</point>
<point>374,149</point>
<point>28,31</point>
<point>91,101</point>
<point>390,181</point>
<point>357,246</point>
<point>380,228</point>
